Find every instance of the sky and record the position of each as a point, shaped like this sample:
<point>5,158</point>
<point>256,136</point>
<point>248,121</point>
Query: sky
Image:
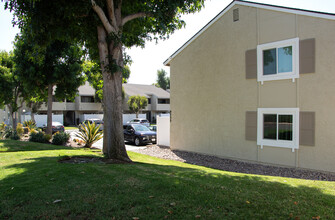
<point>146,61</point>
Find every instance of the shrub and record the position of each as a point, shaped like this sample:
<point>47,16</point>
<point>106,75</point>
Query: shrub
<point>11,133</point>
<point>38,137</point>
<point>30,124</point>
<point>2,130</point>
<point>19,129</point>
<point>89,133</point>
<point>47,137</point>
<point>60,138</point>
<point>33,130</point>
<point>15,136</point>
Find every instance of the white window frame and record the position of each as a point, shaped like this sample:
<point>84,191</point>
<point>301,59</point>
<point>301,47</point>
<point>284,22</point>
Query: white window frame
<point>294,144</point>
<point>294,42</point>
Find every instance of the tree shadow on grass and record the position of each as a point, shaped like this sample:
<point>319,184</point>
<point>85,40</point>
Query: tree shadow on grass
<point>153,191</point>
<point>14,146</point>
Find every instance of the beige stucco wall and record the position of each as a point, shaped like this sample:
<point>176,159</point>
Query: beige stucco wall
<point>210,94</point>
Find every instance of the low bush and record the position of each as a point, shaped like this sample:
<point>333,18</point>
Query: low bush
<point>60,138</point>
<point>33,130</point>
<point>89,134</point>
<point>15,136</point>
<point>38,137</point>
<point>47,137</point>
<point>30,124</point>
<point>19,129</point>
<point>2,130</point>
<point>11,134</point>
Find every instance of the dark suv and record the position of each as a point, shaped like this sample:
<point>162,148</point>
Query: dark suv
<point>139,134</point>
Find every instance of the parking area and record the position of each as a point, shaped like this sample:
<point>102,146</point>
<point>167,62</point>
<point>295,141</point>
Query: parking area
<point>99,143</point>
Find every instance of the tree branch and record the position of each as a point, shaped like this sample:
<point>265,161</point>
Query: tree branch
<point>110,4</point>
<point>109,28</point>
<point>134,16</point>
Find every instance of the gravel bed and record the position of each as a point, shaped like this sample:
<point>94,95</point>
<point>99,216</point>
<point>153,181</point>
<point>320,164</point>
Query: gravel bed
<point>234,165</point>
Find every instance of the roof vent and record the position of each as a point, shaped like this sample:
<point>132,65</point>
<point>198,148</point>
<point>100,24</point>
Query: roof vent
<point>236,15</point>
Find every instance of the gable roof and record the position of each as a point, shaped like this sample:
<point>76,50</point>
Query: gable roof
<point>145,90</point>
<point>86,89</point>
<point>251,4</point>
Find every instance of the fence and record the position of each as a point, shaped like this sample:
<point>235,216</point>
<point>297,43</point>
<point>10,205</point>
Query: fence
<point>163,131</point>
<point>84,117</point>
<point>128,117</point>
<point>41,120</point>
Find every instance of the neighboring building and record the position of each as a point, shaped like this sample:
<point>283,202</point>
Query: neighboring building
<point>73,112</point>
<point>158,99</point>
<point>86,106</point>
<point>257,83</point>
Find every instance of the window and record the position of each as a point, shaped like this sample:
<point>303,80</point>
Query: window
<point>278,127</point>
<point>278,60</point>
<point>149,100</point>
<point>163,101</point>
<point>87,99</point>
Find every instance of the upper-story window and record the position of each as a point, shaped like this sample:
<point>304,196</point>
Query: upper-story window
<point>278,60</point>
<point>163,101</point>
<point>149,100</point>
<point>88,99</point>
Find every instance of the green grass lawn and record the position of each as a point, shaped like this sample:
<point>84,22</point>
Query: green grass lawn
<point>31,180</point>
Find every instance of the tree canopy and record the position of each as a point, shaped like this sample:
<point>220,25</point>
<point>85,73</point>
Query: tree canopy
<point>106,27</point>
<point>163,81</point>
<point>56,70</point>
<point>94,77</point>
<point>10,86</point>
<point>137,103</point>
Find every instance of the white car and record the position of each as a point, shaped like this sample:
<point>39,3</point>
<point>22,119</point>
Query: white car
<point>96,121</point>
<point>142,121</point>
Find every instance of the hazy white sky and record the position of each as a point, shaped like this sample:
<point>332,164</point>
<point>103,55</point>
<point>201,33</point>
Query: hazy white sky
<point>147,61</point>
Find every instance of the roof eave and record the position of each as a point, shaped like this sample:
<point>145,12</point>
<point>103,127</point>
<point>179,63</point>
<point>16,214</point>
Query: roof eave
<point>251,4</point>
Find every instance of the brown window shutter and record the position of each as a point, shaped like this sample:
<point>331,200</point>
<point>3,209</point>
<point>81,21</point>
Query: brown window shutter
<point>251,64</point>
<point>251,126</point>
<point>307,128</point>
<point>307,56</point>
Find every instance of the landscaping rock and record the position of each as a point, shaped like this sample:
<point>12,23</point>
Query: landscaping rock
<point>234,165</point>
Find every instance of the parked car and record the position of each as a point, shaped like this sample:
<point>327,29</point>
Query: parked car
<point>96,121</point>
<point>153,127</point>
<point>141,121</point>
<point>56,126</point>
<point>139,134</point>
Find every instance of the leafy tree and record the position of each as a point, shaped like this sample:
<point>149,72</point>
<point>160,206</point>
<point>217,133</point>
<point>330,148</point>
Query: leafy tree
<point>10,86</point>
<point>136,103</point>
<point>34,105</point>
<point>163,81</point>
<point>93,72</point>
<point>112,25</point>
<point>55,68</point>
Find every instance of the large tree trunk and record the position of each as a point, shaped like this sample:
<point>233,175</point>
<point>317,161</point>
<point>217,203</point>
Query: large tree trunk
<point>113,141</point>
<point>49,112</point>
<point>32,115</point>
